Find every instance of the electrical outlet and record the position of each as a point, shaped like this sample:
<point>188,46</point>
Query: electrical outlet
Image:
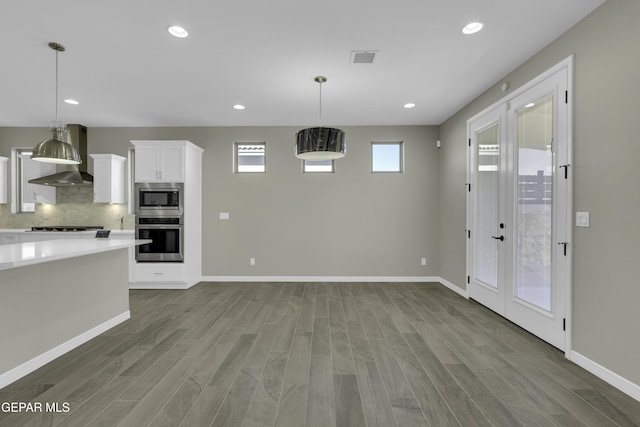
<point>423,261</point>
<point>252,261</point>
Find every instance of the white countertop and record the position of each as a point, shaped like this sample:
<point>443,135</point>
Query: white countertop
<point>23,254</point>
<point>58,233</point>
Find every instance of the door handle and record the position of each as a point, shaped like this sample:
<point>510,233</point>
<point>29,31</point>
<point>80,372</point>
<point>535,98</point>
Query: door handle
<point>501,238</point>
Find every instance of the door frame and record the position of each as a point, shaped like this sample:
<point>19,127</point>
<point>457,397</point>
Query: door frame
<point>564,158</point>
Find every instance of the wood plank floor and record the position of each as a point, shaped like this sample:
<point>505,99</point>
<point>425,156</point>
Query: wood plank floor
<point>316,354</point>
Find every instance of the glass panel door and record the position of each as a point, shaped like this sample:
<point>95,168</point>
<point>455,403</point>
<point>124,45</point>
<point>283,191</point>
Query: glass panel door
<point>533,246</point>
<point>488,168</point>
<point>518,206</point>
<point>486,210</point>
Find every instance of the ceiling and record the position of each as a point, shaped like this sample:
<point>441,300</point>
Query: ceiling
<point>125,69</point>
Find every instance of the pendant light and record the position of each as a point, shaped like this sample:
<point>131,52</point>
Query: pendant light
<point>56,149</point>
<point>320,143</point>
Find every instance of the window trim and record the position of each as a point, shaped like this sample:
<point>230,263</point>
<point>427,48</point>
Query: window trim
<point>400,144</point>
<point>237,144</point>
<point>333,168</point>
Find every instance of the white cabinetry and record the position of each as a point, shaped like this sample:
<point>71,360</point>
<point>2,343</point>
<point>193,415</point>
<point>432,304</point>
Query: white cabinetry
<point>4,163</point>
<point>179,162</point>
<point>159,161</point>
<point>108,178</point>
<point>36,193</point>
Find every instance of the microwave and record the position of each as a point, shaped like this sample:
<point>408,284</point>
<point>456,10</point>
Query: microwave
<point>159,199</point>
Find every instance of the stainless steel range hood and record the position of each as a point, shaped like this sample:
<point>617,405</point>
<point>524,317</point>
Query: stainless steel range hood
<point>73,175</point>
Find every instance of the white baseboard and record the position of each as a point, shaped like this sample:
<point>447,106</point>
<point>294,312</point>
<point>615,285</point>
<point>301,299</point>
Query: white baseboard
<point>159,285</point>
<point>162,285</point>
<point>320,279</point>
<point>458,290</point>
<point>419,279</point>
<point>606,375</point>
<point>29,366</point>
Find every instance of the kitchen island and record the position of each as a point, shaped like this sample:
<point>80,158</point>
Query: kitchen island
<point>57,294</point>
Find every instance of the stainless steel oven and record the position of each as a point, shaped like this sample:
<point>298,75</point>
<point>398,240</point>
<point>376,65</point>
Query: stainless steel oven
<point>165,199</point>
<point>167,235</point>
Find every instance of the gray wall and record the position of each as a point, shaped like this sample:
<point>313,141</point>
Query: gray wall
<point>349,223</point>
<point>606,176</point>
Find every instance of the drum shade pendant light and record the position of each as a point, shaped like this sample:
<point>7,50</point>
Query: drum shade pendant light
<point>320,143</point>
<point>56,149</point>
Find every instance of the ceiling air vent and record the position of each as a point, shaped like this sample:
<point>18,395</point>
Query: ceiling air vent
<point>363,56</point>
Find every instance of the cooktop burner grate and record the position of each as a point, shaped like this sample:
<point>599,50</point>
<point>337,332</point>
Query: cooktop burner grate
<point>67,228</point>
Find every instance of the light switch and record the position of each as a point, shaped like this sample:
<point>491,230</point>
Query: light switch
<point>582,219</point>
<point>223,215</point>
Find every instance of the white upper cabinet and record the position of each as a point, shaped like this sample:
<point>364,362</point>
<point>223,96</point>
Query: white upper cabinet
<point>108,178</point>
<point>159,161</point>
<point>4,163</point>
<point>36,193</point>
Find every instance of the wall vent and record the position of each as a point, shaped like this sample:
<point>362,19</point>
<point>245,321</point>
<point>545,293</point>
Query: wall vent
<point>363,56</point>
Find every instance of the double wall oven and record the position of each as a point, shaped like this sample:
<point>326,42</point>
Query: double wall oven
<point>159,217</point>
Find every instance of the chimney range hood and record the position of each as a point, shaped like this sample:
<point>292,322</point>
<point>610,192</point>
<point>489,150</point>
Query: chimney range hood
<point>74,175</point>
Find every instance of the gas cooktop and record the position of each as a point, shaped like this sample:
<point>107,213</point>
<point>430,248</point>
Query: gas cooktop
<point>67,228</point>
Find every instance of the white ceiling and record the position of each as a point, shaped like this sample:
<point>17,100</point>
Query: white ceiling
<point>126,70</point>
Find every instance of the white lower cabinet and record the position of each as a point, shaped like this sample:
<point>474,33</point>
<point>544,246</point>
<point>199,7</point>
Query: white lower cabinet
<point>156,273</point>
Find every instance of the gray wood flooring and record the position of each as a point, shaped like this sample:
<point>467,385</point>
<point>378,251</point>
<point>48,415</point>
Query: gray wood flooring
<point>316,354</point>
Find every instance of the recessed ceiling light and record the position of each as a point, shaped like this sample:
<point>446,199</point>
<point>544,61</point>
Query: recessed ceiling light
<point>472,27</point>
<point>177,31</point>
<point>529,105</point>
<point>71,101</point>
<point>238,107</point>
<point>409,105</point>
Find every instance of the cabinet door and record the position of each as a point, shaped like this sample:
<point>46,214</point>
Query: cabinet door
<point>4,162</point>
<point>172,164</point>
<point>35,193</point>
<point>101,181</point>
<point>159,164</point>
<point>146,164</point>
<point>108,178</point>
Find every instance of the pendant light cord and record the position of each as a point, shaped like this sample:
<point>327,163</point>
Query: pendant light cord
<point>320,103</point>
<point>57,87</point>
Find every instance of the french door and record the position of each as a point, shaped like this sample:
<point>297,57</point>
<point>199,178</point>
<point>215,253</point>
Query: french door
<point>519,210</point>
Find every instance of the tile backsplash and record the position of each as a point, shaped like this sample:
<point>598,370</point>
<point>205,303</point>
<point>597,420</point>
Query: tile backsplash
<point>74,206</point>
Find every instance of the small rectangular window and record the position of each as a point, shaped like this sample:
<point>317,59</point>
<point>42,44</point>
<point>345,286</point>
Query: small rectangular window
<point>386,157</point>
<point>315,166</point>
<point>250,157</point>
